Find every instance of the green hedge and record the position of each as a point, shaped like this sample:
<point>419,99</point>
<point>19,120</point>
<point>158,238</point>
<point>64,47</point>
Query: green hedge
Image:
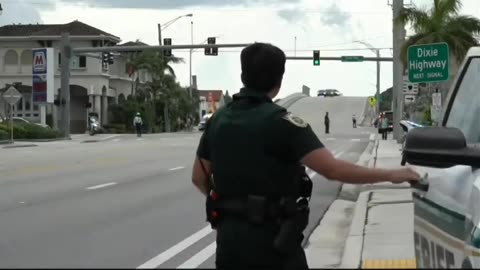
<point>30,131</point>
<point>4,135</point>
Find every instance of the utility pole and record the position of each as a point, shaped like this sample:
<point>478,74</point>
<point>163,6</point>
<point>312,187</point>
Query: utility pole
<point>191,52</point>
<point>165,108</point>
<point>378,81</point>
<point>65,84</point>
<point>398,40</point>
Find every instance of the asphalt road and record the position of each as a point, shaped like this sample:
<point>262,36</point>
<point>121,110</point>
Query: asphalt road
<point>127,202</point>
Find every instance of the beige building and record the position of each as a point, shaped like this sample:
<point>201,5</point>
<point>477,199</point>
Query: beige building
<point>90,82</point>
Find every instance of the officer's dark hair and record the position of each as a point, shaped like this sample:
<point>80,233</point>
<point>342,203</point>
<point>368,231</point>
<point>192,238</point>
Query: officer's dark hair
<point>263,66</point>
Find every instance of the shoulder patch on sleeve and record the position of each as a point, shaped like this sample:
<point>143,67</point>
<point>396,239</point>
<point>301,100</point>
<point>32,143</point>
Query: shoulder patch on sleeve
<point>296,120</point>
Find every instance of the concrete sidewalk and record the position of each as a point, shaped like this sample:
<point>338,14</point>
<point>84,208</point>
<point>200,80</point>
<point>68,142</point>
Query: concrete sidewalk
<point>369,226</point>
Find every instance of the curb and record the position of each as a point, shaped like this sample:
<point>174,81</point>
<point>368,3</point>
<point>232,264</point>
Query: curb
<point>351,191</point>
<point>44,140</point>
<point>290,100</point>
<point>19,146</point>
<point>352,253</point>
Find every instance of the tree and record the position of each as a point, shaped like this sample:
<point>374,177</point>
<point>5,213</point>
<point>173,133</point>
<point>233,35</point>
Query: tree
<point>161,74</point>
<point>441,23</point>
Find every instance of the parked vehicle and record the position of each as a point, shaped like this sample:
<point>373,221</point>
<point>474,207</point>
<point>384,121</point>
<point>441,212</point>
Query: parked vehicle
<point>203,122</point>
<point>447,216</point>
<point>20,120</point>
<point>328,93</point>
<point>94,126</point>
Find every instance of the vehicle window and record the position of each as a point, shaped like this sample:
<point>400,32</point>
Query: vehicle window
<point>466,105</point>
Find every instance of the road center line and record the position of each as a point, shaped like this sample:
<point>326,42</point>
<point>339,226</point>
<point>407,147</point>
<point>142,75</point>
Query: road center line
<point>176,168</point>
<point>102,186</point>
<point>171,252</point>
<point>200,257</point>
<point>356,140</point>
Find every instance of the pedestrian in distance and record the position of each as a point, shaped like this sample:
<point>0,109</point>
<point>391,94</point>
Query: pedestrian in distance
<point>327,124</point>
<point>250,166</point>
<point>354,120</point>
<point>138,123</point>
<point>384,124</point>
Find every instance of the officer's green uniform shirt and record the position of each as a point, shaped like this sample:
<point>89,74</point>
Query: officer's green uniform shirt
<point>255,147</point>
<point>282,135</point>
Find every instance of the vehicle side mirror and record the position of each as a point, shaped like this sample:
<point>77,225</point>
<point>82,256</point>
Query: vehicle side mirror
<point>439,147</point>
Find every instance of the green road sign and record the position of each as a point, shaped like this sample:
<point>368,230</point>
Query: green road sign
<point>352,58</point>
<point>428,63</point>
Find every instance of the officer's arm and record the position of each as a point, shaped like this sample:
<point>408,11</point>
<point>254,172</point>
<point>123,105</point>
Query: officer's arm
<point>201,175</point>
<point>324,163</point>
<point>200,178</point>
<point>304,146</point>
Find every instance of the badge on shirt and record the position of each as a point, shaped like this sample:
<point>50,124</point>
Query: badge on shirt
<point>297,121</point>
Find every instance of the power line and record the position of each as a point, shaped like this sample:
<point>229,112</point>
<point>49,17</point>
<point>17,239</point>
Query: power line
<point>240,10</point>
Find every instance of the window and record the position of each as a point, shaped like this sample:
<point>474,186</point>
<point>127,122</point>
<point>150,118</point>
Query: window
<point>466,105</point>
<point>77,62</point>
<point>11,58</point>
<point>26,58</point>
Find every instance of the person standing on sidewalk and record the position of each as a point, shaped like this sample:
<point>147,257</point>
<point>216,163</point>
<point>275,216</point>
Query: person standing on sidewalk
<point>384,126</point>
<point>354,120</point>
<point>138,123</point>
<point>327,124</point>
<point>247,166</point>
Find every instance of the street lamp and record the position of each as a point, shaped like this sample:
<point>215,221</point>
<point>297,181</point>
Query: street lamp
<point>160,28</point>
<point>1,9</point>
<point>377,53</point>
<point>167,24</point>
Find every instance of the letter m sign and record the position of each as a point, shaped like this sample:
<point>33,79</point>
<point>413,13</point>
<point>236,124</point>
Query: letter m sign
<point>39,61</point>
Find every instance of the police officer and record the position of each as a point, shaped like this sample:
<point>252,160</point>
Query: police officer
<point>327,124</point>
<point>250,152</point>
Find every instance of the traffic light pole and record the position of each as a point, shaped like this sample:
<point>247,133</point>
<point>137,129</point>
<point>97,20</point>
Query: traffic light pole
<point>365,59</point>
<point>65,84</point>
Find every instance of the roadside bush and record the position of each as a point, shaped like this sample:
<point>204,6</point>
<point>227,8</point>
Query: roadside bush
<point>31,131</point>
<point>4,135</point>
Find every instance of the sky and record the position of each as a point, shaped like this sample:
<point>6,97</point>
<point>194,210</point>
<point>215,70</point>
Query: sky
<point>296,26</point>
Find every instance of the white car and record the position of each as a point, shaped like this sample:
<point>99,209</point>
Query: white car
<point>203,122</point>
<point>20,120</point>
<point>446,206</point>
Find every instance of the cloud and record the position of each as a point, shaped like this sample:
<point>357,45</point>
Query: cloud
<point>335,17</point>
<point>172,4</point>
<point>19,12</point>
<point>291,15</point>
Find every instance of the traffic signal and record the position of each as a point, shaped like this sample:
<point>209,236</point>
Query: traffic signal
<point>316,58</point>
<point>110,58</point>
<point>105,58</point>
<point>211,51</point>
<point>167,52</point>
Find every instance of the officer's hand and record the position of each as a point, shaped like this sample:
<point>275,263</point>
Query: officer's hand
<point>404,175</point>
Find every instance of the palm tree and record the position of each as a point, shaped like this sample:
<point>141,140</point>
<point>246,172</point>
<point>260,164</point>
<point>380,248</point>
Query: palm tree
<point>159,70</point>
<point>441,23</point>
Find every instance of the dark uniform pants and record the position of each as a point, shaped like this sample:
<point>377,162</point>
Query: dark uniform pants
<point>241,245</point>
<point>138,128</point>
<point>327,128</point>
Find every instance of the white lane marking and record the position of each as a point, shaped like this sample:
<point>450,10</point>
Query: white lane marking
<point>22,202</point>
<point>171,252</point>
<point>116,140</point>
<point>365,132</point>
<point>139,139</point>
<point>102,185</point>
<point>200,257</point>
<point>339,154</point>
<point>176,168</point>
<point>109,137</point>
<point>330,139</point>
<point>355,140</point>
